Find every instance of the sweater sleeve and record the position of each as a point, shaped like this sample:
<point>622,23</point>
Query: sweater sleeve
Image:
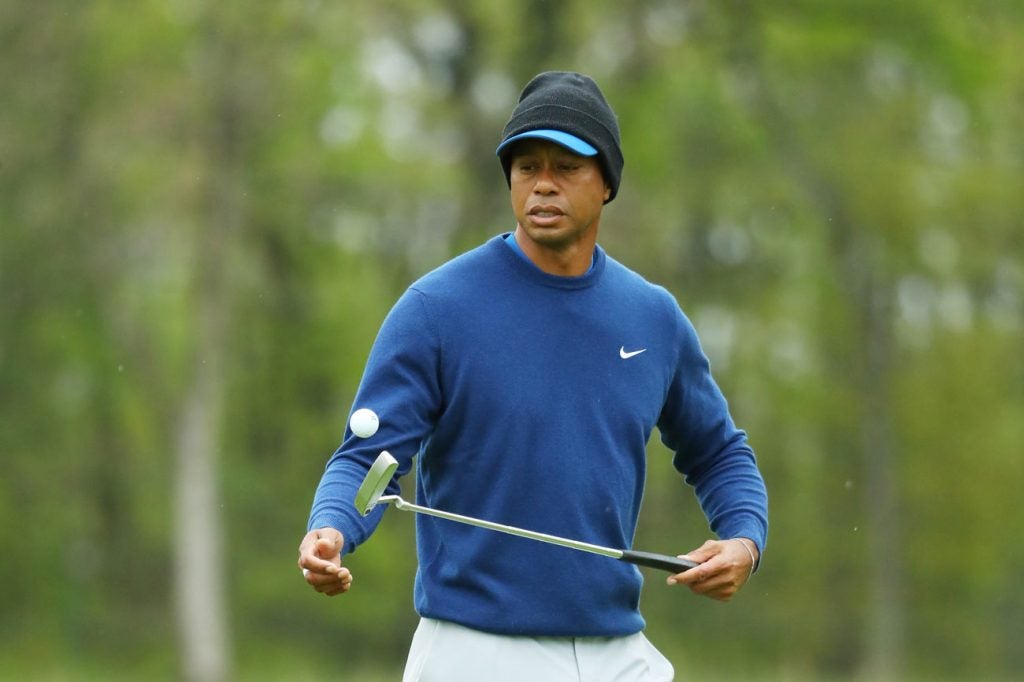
<point>400,383</point>
<point>710,451</point>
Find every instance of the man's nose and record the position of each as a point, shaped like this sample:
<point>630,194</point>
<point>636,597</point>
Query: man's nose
<point>545,181</point>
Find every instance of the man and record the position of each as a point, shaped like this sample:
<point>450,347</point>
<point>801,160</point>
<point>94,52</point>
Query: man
<point>528,375</point>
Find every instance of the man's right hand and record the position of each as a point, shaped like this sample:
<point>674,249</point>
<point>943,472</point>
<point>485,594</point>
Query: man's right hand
<point>320,561</point>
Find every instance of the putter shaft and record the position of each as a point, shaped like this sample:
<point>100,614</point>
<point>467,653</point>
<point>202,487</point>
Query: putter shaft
<point>399,503</point>
<point>376,481</point>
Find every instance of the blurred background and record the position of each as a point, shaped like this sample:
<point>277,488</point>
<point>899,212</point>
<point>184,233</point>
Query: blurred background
<point>208,208</point>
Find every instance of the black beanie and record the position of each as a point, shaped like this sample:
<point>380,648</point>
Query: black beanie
<point>571,103</point>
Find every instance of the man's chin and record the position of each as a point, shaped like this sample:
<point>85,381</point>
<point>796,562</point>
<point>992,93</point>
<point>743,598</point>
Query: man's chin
<point>552,237</point>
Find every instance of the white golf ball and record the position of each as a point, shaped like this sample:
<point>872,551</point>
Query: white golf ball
<point>364,422</point>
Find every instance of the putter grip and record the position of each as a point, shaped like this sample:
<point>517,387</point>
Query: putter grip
<point>663,561</point>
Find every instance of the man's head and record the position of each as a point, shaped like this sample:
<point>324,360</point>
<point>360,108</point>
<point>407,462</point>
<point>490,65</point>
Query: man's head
<point>568,109</point>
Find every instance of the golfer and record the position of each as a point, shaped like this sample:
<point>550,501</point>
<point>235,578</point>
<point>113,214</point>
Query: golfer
<point>528,375</point>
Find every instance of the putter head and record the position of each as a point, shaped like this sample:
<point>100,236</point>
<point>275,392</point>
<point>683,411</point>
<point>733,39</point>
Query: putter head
<point>377,479</point>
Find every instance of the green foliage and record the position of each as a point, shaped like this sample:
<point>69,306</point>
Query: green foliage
<point>831,190</point>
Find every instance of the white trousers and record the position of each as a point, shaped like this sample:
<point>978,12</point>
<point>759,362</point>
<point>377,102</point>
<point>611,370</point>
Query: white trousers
<point>445,652</point>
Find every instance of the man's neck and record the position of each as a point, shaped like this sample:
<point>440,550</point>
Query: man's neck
<point>572,261</point>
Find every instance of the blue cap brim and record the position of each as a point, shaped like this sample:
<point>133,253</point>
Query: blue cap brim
<point>570,142</point>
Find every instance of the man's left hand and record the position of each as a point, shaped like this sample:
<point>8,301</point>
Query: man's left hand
<point>724,567</point>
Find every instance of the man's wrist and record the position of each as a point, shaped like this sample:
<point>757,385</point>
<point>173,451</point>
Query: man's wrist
<point>755,554</point>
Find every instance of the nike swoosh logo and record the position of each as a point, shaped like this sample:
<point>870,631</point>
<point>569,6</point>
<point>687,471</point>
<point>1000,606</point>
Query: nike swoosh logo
<point>627,355</point>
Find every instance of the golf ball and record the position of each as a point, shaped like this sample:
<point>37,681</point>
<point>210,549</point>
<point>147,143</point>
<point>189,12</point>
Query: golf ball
<point>364,422</point>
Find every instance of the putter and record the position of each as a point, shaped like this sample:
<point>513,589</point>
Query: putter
<point>370,494</point>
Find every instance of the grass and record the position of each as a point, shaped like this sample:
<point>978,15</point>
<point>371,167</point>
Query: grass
<point>287,669</point>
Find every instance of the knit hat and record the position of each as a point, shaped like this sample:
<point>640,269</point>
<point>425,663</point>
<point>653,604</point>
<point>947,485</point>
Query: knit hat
<point>568,109</point>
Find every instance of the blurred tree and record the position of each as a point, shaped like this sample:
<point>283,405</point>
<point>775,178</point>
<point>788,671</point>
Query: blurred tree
<point>220,126</point>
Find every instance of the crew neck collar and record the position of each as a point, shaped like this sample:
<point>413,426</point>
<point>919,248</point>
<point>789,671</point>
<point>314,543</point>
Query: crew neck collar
<point>529,269</point>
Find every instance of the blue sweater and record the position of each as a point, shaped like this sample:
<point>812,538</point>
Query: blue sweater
<point>530,400</point>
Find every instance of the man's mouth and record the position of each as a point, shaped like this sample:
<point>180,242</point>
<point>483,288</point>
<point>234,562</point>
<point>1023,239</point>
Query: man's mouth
<point>545,214</point>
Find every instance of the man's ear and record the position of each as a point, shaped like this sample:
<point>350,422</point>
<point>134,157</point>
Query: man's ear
<point>607,192</point>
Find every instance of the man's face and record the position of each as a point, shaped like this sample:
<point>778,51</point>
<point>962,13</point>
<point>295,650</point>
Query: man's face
<point>557,196</point>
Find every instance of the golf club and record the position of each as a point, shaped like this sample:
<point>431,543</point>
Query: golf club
<point>370,494</point>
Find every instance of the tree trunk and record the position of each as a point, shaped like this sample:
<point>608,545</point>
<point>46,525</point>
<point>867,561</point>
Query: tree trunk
<point>884,626</point>
<point>199,538</point>
<point>199,543</point>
